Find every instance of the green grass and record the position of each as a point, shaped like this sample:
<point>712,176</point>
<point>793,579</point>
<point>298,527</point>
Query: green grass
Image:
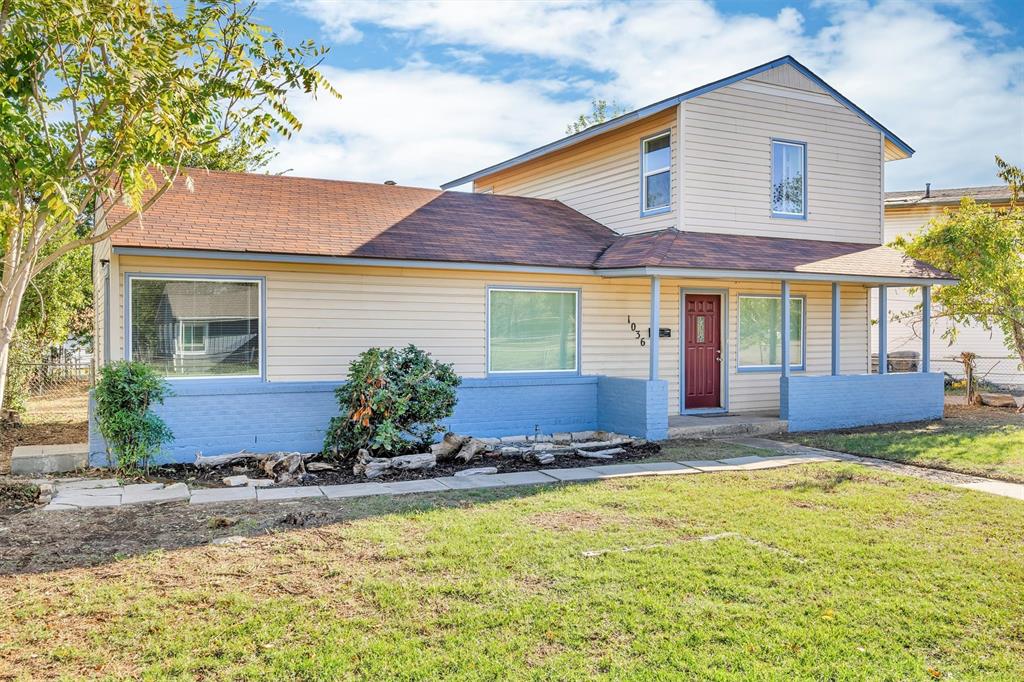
<point>826,571</point>
<point>972,441</point>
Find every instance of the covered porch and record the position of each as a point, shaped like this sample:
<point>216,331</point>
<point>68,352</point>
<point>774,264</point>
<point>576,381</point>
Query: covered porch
<point>826,392</point>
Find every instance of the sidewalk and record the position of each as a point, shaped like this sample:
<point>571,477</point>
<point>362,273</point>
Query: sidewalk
<point>957,480</point>
<point>78,494</point>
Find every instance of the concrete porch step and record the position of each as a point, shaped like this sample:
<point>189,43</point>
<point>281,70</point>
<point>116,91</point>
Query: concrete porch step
<point>30,460</point>
<point>725,425</point>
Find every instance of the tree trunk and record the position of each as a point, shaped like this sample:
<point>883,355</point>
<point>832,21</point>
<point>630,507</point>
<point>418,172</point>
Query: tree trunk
<point>1018,342</point>
<point>10,304</point>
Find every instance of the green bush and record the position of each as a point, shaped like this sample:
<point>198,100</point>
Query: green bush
<point>391,403</point>
<point>124,395</point>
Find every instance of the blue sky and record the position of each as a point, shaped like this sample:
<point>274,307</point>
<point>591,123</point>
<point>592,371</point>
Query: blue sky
<point>434,90</point>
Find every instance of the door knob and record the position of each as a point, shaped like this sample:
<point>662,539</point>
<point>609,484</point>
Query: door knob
<point>718,356</point>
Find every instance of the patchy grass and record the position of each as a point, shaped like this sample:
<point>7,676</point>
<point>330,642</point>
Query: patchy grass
<point>971,440</point>
<point>825,571</point>
<point>48,420</point>
<point>683,450</point>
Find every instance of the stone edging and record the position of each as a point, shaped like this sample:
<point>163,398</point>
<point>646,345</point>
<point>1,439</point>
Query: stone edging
<point>87,493</point>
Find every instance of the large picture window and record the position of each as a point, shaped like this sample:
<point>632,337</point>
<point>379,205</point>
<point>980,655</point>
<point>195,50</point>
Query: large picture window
<point>789,181</point>
<point>760,332</point>
<point>657,174</point>
<point>532,330</point>
<point>195,327</point>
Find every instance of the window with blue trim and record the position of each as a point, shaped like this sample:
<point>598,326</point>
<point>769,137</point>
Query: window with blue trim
<point>657,173</point>
<point>195,327</point>
<point>532,330</point>
<point>760,332</point>
<point>789,182</point>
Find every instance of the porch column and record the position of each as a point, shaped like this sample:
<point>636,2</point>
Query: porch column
<point>785,328</point>
<point>835,328</point>
<point>926,321</point>
<point>655,321</point>
<point>883,329</point>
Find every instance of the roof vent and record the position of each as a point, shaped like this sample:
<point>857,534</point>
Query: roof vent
<point>390,182</point>
<point>927,190</point>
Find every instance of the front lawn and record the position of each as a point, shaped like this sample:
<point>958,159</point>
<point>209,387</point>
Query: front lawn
<point>972,440</point>
<point>822,571</point>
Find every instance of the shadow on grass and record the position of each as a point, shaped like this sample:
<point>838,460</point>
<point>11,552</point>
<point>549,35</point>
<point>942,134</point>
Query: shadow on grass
<point>38,541</point>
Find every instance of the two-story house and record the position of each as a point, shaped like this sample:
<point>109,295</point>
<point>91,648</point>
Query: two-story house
<point>710,253</point>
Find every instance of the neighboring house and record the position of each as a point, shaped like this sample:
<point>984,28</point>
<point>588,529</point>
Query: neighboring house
<point>710,253</point>
<point>905,214</point>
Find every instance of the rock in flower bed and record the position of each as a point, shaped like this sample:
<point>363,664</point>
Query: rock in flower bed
<point>505,455</point>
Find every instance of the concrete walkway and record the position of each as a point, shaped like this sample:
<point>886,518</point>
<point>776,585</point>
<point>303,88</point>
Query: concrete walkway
<point>82,493</point>
<point>957,480</point>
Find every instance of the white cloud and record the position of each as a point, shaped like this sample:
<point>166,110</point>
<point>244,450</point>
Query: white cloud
<point>418,125</point>
<point>913,68</point>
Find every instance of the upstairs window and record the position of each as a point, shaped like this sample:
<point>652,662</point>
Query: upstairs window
<point>789,179</point>
<point>195,327</point>
<point>656,189</point>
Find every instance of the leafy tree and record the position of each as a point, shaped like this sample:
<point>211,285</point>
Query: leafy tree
<point>983,246</point>
<point>391,402</point>
<point>600,111</point>
<point>103,103</point>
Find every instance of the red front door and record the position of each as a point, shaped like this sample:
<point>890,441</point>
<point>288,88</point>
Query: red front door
<point>702,320</point>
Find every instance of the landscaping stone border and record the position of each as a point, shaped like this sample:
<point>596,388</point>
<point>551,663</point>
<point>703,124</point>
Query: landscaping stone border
<point>79,494</point>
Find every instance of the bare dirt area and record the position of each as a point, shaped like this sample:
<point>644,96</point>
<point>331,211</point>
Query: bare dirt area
<point>980,415</point>
<point>37,541</point>
<point>48,420</point>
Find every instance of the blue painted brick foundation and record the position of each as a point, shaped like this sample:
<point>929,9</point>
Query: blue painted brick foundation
<point>510,407</point>
<point>215,417</point>
<point>636,407</point>
<point>812,403</point>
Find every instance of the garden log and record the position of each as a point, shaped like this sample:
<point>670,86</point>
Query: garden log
<point>424,460</point>
<point>471,449</point>
<point>449,445</point>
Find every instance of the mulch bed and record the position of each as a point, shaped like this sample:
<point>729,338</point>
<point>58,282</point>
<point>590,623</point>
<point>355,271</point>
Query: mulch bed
<point>212,478</point>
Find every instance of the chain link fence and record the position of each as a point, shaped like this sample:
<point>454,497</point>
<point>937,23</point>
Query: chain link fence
<point>998,374</point>
<point>56,380</point>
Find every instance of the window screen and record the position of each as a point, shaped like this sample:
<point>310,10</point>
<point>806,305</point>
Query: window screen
<point>196,328</point>
<point>788,184</point>
<point>657,173</point>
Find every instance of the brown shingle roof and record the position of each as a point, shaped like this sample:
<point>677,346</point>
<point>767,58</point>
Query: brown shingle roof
<point>263,214</point>
<point>286,215</point>
<point>998,194</point>
<point>705,250</point>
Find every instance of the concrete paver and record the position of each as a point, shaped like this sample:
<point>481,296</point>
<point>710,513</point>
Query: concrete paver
<point>334,492</point>
<point>214,495</point>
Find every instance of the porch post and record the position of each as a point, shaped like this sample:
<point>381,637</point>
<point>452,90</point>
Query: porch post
<point>655,322</point>
<point>926,338</point>
<point>883,329</point>
<point>785,328</point>
<point>835,328</point>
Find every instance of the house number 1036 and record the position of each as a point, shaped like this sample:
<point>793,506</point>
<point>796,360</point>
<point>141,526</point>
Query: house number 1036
<point>632,328</point>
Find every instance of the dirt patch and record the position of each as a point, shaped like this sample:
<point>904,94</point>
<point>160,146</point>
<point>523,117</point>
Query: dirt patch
<point>48,420</point>
<point>826,481</point>
<point>568,521</point>
<point>213,478</point>
<point>15,496</point>
<point>982,415</point>
<point>39,541</point>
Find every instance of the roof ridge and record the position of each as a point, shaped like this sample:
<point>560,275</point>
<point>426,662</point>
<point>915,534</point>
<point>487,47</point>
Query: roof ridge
<point>281,176</point>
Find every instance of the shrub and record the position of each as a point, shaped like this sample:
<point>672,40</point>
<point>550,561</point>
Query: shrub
<point>124,395</point>
<point>391,403</point>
